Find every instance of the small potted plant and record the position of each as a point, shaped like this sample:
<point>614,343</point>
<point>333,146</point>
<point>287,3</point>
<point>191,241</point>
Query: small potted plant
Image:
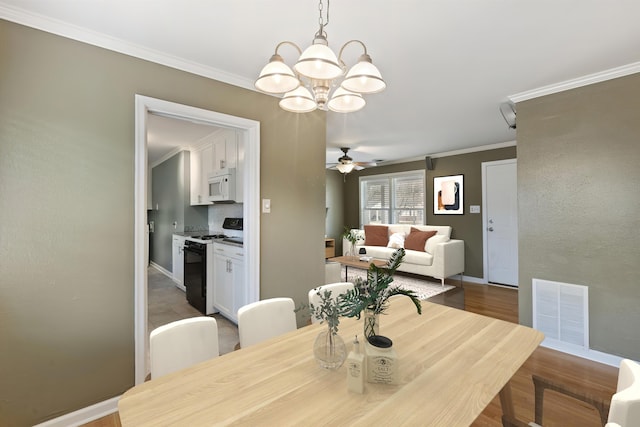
<point>352,238</point>
<point>371,296</point>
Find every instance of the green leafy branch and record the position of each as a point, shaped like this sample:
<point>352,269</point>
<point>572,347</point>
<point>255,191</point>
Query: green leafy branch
<point>374,292</point>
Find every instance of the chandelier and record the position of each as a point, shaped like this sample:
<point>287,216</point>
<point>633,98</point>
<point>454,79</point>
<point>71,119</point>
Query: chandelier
<point>309,85</point>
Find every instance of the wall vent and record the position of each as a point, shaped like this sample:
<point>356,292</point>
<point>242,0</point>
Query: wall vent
<point>561,312</point>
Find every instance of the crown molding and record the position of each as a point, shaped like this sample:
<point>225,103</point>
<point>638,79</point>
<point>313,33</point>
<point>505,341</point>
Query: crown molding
<point>81,34</point>
<point>453,153</point>
<point>589,79</point>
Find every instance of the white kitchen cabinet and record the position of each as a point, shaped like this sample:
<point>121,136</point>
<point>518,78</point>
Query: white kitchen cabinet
<point>178,261</point>
<point>201,166</point>
<point>229,293</point>
<point>225,150</point>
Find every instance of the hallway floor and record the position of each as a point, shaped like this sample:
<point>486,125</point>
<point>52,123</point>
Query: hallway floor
<point>167,303</point>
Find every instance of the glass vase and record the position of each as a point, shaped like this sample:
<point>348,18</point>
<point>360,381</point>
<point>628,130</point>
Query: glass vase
<point>353,250</point>
<point>329,350</point>
<point>370,323</point>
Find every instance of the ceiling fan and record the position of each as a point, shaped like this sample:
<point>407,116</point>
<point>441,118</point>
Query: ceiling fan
<point>346,164</point>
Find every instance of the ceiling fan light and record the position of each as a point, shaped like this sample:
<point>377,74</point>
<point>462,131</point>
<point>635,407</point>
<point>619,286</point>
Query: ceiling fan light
<point>299,100</point>
<point>318,61</point>
<point>276,77</point>
<point>344,101</point>
<point>345,167</point>
<point>364,77</point>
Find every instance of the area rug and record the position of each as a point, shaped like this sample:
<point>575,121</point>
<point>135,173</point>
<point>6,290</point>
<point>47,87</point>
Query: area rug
<point>425,289</point>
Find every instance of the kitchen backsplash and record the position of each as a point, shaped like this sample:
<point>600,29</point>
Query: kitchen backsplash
<point>218,212</point>
<point>188,228</point>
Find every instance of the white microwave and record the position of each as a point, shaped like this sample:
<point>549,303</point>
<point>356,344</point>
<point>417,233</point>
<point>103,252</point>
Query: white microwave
<point>222,186</point>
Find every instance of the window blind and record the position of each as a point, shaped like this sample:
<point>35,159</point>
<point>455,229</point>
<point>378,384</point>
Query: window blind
<point>392,198</point>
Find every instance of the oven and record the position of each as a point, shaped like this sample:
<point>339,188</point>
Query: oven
<point>195,274</point>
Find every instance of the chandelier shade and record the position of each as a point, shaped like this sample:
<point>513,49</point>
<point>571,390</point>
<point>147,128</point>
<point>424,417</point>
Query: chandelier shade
<point>344,101</point>
<point>364,77</point>
<point>298,100</point>
<point>318,62</point>
<point>313,81</point>
<point>277,77</point>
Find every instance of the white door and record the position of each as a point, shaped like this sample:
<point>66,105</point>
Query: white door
<point>500,220</point>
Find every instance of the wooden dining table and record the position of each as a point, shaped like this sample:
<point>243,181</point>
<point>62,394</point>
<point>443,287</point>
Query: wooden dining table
<point>452,363</point>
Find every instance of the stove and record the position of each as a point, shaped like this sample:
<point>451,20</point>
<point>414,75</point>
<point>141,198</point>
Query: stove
<point>198,263</point>
<point>210,237</point>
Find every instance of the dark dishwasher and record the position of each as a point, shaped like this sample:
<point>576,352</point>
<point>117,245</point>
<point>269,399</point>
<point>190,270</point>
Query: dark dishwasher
<point>195,274</point>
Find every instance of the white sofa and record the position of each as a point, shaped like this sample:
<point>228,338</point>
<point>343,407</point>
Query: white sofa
<point>442,257</point>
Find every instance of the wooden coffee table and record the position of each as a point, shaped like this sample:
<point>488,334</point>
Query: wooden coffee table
<point>354,261</point>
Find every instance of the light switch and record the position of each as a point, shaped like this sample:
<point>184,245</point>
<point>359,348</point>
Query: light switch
<point>474,208</point>
<point>266,205</point>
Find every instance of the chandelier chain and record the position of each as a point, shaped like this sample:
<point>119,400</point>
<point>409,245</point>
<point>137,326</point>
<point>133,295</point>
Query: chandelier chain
<point>320,20</point>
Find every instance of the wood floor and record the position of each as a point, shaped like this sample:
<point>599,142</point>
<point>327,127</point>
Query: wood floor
<point>502,303</point>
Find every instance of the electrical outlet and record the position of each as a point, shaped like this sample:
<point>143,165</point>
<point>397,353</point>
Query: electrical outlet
<point>474,209</point>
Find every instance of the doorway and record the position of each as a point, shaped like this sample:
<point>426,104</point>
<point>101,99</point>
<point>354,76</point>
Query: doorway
<point>251,188</point>
<point>500,222</point>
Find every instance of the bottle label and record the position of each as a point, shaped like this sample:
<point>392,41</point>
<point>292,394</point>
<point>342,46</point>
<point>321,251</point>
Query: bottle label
<point>381,369</point>
<point>355,370</point>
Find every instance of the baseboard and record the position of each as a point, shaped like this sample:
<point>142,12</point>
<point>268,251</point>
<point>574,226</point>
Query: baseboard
<point>161,269</point>
<point>470,279</point>
<point>84,415</point>
<point>593,355</point>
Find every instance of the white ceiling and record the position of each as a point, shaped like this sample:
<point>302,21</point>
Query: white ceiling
<point>166,135</point>
<point>448,64</point>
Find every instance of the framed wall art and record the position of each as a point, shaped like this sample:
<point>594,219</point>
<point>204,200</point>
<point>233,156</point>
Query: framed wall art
<point>448,194</point>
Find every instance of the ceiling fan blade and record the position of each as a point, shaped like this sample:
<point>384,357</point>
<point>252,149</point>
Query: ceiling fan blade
<point>358,167</point>
<point>366,164</point>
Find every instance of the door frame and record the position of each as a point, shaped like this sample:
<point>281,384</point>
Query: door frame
<point>485,225</point>
<point>250,131</point>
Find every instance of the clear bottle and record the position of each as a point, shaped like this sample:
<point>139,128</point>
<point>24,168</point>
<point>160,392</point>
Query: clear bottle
<point>355,369</point>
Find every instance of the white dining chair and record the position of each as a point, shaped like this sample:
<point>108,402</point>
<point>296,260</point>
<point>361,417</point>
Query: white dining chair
<point>622,411</point>
<point>625,403</point>
<point>336,290</point>
<point>182,343</point>
<point>265,319</point>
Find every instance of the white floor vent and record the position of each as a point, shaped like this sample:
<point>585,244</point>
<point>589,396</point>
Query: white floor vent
<point>561,312</point>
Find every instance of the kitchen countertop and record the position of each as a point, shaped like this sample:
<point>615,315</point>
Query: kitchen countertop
<point>190,234</point>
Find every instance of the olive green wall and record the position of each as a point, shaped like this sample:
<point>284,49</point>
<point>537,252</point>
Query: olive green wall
<point>334,224</point>
<point>66,212</point>
<point>579,204</point>
<point>467,227</point>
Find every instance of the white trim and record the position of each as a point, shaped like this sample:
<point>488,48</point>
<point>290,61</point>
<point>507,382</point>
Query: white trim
<point>601,76</point>
<point>596,356</point>
<point>140,287</point>
<point>161,269</point>
<point>84,415</point>
<point>250,131</point>
<point>392,203</point>
<point>475,149</point>
<point>64,29</point>
<point>453,153</point>
<point>470,279</point>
